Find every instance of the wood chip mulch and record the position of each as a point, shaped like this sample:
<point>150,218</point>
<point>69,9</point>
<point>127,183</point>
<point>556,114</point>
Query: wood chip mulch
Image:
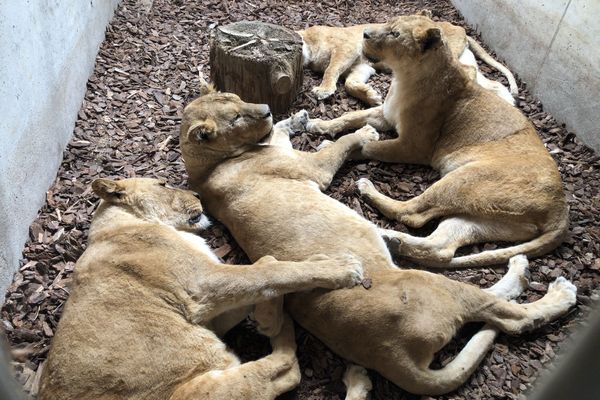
<point>128,126</point>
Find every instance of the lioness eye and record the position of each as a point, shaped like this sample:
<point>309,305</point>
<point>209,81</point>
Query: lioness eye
<point>237,117</point>
<point>394,33</point>
<point>162,183</point>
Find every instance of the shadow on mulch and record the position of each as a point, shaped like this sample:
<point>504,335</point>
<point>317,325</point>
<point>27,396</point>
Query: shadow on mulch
<point>128,126</point>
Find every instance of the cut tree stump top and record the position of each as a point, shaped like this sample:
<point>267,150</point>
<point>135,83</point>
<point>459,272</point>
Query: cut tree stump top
<point>283,43</point>
<point>258,61</point>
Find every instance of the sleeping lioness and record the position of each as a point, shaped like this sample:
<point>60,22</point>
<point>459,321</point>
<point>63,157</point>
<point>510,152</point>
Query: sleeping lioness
<point>499,183</point>
<point>149,295</point>
<point>269,196</point>
<point>337,51</point>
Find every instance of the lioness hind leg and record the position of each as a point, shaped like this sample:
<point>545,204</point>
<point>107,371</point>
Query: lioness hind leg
<point>327,161</point>
<point>439,247</point>
<point>265,378</point>
<point>414,212</point>
<point>338,64</point>
<point>515,318</point>
<point>356,84</point>
<point>453,303</point>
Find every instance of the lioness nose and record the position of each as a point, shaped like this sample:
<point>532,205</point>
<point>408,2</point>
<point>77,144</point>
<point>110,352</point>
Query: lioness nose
<point>366,34</point>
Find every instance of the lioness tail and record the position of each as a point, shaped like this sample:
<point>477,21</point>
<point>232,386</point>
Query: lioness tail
<point>447,379</point>
<point>542,244</point>
<point>489,60</point>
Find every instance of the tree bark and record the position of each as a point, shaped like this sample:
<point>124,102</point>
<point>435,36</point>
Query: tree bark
<point>260,62</point>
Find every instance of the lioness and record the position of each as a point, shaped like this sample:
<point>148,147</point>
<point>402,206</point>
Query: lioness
<point>337,51</point>
<point>499,183</point>
<point>269,196</point>
<point>148,294</point>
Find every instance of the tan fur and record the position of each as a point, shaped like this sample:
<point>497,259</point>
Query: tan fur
<point>498,181</point>
<point>148,299</point>
<point>338,52</point>
<point>268,197</point>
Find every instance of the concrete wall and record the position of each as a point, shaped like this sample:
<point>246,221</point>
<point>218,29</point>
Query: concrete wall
<point>47,52</point>
<point>554,46</point>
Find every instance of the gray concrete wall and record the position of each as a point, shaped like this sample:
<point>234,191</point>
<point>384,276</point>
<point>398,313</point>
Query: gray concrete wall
<point>554,46</point>
<point>47,52</point>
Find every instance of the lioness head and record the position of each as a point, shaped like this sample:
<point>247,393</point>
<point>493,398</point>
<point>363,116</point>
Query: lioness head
<point>222,125</point>
<point>402,39</point>
<point>152,200</point>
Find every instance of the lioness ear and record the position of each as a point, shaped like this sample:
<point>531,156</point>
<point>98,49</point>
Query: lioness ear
<point>429,39</point>
<point>203,130</point>
<point>426,13</point>
<point>108,190</point>
<point>205,87</point>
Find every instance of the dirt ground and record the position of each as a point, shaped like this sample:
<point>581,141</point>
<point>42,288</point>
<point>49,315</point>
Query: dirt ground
<point>128,126</point>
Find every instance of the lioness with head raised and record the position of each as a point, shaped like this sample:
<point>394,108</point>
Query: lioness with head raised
<point>499,183</point>
<point>149,297</point>
<point>338,51</point>
<point>269,196</point>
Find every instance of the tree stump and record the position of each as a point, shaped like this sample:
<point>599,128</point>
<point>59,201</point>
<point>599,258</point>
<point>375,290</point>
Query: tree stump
<point>260,62</point>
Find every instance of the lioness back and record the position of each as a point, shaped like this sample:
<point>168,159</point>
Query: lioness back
<point>315,221</point>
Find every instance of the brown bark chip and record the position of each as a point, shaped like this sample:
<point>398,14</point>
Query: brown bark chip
<point>128,126</point>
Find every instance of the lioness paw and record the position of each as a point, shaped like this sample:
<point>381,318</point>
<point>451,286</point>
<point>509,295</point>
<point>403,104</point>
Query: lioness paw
<point>564,291</point>
<point>519,265</point>
<point>367,134</point>
<point>365,186</point>
<point>394,246</point>
<point>352,269</point>
<point>374,99</point>
<point>322,93</point>
<point>298,121</point>
<point>269,318</point>
<point>357,379</point>
<point>269,329</point>
<point>515,281</point>
<point>316,125</point>
<point>324,144</point>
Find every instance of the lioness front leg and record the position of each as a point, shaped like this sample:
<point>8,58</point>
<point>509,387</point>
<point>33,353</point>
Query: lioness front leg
<point>234,286</point>
<point>356,85</point>
<point>269,314</point>
<point>328,160</point>
<point>351,120</point>
<point>283,129</point>
<point>338,63</point>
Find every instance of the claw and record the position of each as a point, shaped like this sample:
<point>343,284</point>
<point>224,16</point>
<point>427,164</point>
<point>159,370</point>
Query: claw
<point>394,245</point>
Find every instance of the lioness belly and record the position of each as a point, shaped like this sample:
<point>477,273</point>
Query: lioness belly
<point>300,221</point>
<point>349,321</point>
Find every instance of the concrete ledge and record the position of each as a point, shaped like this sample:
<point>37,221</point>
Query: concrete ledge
<point>47,54</point>
<point>554,46</point>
